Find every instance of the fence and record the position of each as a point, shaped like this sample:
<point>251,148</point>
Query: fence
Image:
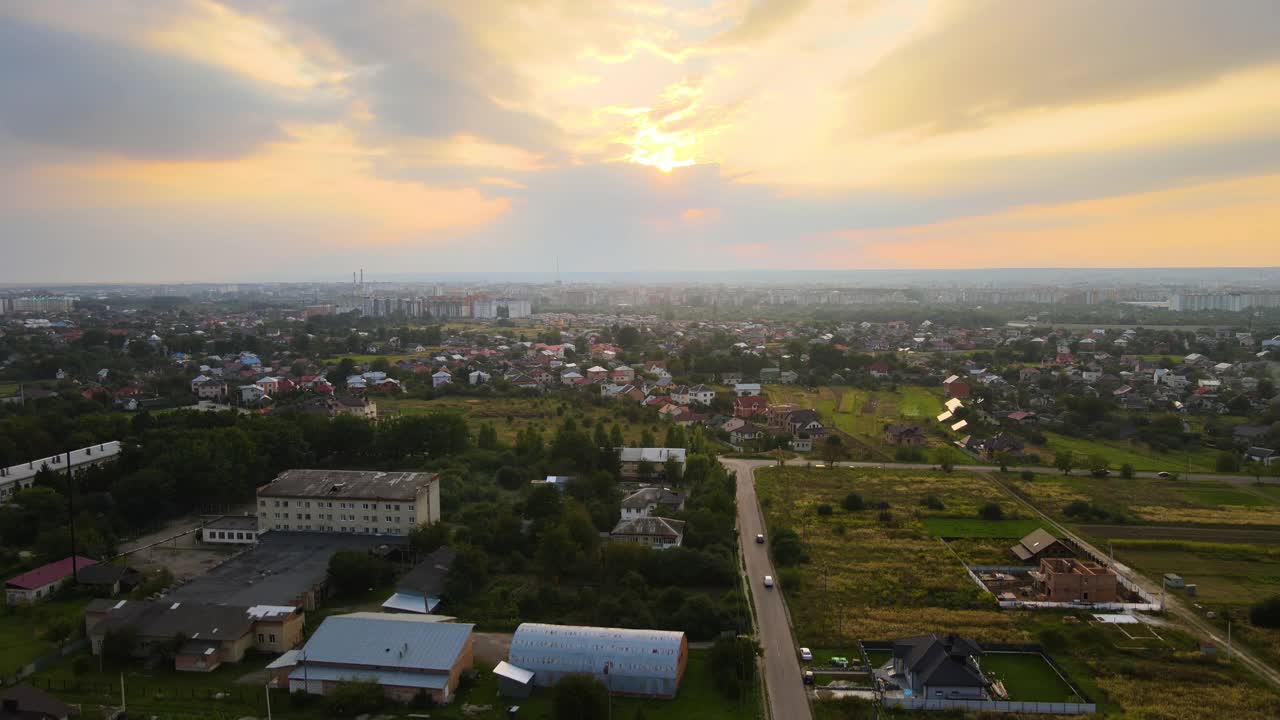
<point>45,661</point>
<point>1007,706</point>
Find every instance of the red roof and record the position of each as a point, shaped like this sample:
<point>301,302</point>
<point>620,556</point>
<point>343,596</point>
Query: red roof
<point>47,574</point>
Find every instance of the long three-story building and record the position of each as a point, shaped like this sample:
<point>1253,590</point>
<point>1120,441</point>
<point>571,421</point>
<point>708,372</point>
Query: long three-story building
<point>349,501</point>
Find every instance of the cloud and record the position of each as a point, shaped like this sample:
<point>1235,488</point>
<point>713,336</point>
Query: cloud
<point>698,215</point>
<point>761,20</point>
<point>983,59</point>
<point>87,94</point>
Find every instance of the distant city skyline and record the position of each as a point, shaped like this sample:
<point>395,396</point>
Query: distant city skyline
<point>239,141</point>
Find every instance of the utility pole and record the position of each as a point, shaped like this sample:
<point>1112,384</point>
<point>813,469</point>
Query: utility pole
<point>123,707</point>
<point>268,689</point>
<point>1229,653</point>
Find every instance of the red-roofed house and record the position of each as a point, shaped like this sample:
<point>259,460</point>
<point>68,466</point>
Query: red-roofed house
<point>749,406</point>
<point>35,585</point>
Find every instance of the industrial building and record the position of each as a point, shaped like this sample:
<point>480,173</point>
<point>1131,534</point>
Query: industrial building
<point>647,663</point>
<point>349,501</point>
<point>405,654</point>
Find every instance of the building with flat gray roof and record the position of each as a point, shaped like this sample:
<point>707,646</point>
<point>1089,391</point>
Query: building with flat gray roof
<point>368,502</point>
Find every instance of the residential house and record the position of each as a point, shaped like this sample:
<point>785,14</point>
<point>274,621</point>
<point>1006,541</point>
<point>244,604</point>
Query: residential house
<point>656,532</point>
<point>906,435</point>
<point>1262,455</point>
<point>749,406</point>
<point>211,389</point>
<point>23,702</point>
<point>657,458</point>
<point>35,585</point>
<point>939,667</point>
<point>406,655</point>
<point>1061,579</point>
<point>746,389</point>
<point>622,375</point>
<point>701,395</point>
<point>747,434</point>
<point>1039,544</point>
<point>441,378</point>
<point>879,370</point>
<point>954,387</point>
<point>651,500</point>
<point>597,374</point>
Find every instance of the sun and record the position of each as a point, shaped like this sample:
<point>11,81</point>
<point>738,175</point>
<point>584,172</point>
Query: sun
<point>665,151</point>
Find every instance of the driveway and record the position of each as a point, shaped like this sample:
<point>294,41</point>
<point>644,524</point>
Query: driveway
<point>787,697</point>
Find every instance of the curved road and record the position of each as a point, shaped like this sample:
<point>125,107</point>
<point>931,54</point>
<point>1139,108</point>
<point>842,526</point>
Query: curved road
<point>787,697</point>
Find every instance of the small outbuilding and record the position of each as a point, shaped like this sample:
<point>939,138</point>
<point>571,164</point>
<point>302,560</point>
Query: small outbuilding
<point>513,681</point>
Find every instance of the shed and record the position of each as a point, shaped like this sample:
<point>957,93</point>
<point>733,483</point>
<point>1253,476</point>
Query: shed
<point>647,663</point>
<point>513,681</point>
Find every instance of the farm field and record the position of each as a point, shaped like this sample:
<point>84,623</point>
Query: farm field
<point>511,415</point>
<point>862,414</point>
<point>1236,574</point>
<point>8,389</point>
<point>1154,501</point>
<point>366,359</point>
<point>874,577</point>
<point>1120,452</point>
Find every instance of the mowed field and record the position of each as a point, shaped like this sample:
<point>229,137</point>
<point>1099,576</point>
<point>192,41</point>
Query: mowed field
<point>862,414</point>
<point>511,415</point>
<point>1154,501</point>
<point>8,389</point>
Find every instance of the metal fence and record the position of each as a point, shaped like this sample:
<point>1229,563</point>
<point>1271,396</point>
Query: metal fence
<point>1008,706</point>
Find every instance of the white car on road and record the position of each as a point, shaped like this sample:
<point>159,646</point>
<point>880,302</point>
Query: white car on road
<point>768,581</point>
<point>806,655</point>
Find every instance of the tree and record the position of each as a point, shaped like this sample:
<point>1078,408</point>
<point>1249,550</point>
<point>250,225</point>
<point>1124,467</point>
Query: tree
<point>644,470</point>
<point>508,477</point>
<point>946,458</point>
<point>1098,465</point>
<point>579,697</point>
<point>1254,468</point>
<point>853,502</point>
<point>1064,461</point>
<point>832,449</point>
<point>786,546</point>
<point>352,572</point>
<point>119,644</point>
<point>615,436</point>
<point>646,438</point>
<point>1266,613</point>
<point>427,538</point>
<point>672,471</point>
<point>1126,471</point>
<point>991,511</point>
<point>628,337</point>
<point>1228,462</point>
<point>733,665</point>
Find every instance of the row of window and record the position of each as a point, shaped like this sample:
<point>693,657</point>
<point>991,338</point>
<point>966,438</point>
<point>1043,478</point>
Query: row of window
<point>343,517</point>
<point>346,529</point>
<point>341,505</point>
<point>228,535</point>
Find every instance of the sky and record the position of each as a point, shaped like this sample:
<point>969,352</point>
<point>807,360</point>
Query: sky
<point>237,140</point>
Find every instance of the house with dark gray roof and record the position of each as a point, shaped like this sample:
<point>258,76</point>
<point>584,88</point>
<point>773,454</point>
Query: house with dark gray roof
<point>655,532</point>
<point>421,589</point>
<point>939,667</point>
<point>23,702</point>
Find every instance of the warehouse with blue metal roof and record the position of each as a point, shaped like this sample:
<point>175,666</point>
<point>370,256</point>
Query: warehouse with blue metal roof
<point>405,654</point>
<point>647,663</point>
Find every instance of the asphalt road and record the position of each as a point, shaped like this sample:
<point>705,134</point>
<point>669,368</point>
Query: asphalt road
<point>787,697</point>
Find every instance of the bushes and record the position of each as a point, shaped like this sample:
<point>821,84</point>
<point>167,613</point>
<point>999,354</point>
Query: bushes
<point>933,502</point>
<point>1266,613</point>
<point>579,697</point>
<point>1084,510</point>
<point>991,511</point>
<point>786,547</point>
<point>1028,475</point>
<point>733,665</point>
<point>348,698</point>
<point>824,510</point>
<point>853,502</point>
<point>352,572</point>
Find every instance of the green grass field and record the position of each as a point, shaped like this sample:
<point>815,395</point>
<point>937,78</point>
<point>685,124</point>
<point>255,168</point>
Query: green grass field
<point>1120,452</point>
<point>8,389</point>
<point>364,359</point>
<point>23,630</point>
<point>1235,574</point>
<point>862,414</point>
<point>1027,677</point>
<point>947,527</point>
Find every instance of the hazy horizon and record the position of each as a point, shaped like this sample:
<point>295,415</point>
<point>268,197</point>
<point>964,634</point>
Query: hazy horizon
<point>196,140</point>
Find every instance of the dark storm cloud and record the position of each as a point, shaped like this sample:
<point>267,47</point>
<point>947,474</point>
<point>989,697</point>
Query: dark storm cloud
<point>65,90</point>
